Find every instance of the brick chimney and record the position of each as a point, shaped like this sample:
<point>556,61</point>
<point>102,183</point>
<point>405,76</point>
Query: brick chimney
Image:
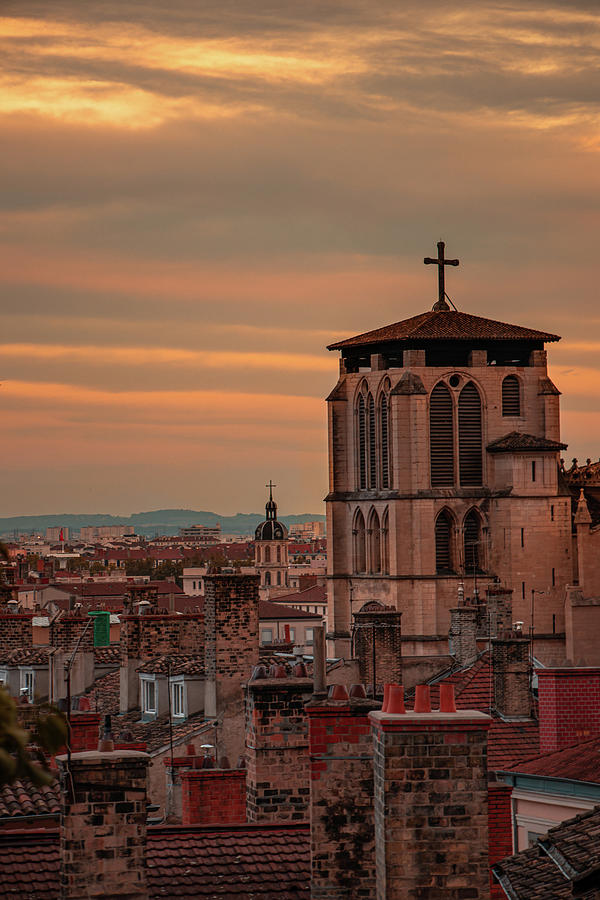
<point>341,772</point>
<point>16,630</point>
<point>213,796</point>
<point>379,634</point>
<point>278,768</point>
<point>231,644</point>
<point>569,706</point>
<point>145,636</point>
<point>431,822</point>
<point>462,637</point>
<point>500,827</point>
<point>85,727</point>
<point>511,673</point>
<point>499,610</point>
<point>103,825</point>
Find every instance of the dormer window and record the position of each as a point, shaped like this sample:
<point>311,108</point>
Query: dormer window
<point>149,704</point>
<point>178,705</point>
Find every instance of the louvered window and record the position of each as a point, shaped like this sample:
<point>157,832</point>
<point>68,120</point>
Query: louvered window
<point>385,450</point>
<point>362,444</point>
<point>511,396</point>
<point>443,544</point>
<point>360,549</point>
<point>471,532</point>
<point>375,543</point>
<point>372,445</point>
<point>441,437</point>
<point>469,436</point>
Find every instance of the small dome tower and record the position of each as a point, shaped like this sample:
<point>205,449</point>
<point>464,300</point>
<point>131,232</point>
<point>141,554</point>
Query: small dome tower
<point>271,549</point>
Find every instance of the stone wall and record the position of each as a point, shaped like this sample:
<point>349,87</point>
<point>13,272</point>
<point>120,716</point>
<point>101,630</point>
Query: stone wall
<point>103,833</point>
<point>66,630</point>
<point>431,828</point>
<point>379,633</point>
<point>278,769</point>
<point>16,630</point>
<point>511,672</point>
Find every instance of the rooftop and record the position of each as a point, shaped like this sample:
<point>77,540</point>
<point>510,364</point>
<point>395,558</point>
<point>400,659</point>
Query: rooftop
<point>22,798</point>
<point>577,763</point>
<point>262,862</point>
<point>514,440</point>
<point>445,325</point>
<point>538,873</point>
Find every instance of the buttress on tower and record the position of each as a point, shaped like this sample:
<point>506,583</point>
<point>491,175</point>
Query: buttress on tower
<point>444,446</point>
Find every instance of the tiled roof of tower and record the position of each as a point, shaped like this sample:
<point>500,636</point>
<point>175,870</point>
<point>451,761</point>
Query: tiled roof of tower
<point>539,872</point>
<point>514,440</point>
<point>508,741</point>
<point>264,862</point>
<point>448,325</point>
<point>580,762</point>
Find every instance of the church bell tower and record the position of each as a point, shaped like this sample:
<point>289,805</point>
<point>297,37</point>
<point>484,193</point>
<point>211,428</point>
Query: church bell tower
<point>444,445</point>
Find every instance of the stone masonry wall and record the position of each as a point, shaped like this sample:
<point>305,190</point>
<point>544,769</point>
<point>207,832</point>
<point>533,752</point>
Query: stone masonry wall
<point>66,630</point>
<point>16,630</point>
<point>569,706</point>
<point>431,818</point>
<point>143,637</point>
<point>103,833</point>
<point>231,643</point>
<point>384,628</point>
<point>511,672</point>
<point>462,641</point>
<point>213,796</point>
<point>278,767</point>
<point>342,824</point>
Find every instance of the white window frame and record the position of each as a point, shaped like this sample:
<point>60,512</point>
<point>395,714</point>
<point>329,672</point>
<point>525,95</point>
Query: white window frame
<point>27,681</point>
<point>178,699</point>
<point>147,707</point>
<point>265,631</point>
<point>309,635</point>
<point>4,677</point>
<point>292,633</point>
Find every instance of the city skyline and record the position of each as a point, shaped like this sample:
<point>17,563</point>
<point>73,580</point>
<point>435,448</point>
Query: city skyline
<point>196,203</point>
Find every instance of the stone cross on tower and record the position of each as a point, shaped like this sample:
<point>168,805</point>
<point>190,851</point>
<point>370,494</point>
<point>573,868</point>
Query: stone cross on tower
<point>440,262</point>
<point>270,485</point>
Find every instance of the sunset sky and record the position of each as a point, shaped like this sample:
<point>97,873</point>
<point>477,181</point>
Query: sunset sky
<point>198,197</point>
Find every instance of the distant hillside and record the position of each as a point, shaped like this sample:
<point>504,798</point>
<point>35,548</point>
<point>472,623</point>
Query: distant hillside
<point>158,521</point>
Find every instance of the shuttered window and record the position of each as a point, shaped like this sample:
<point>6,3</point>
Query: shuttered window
<point>372,444</point>
<point>469,436</point>
<point>471,533</point>
<point>362,444</point>
<point>511,396</point>
<point>443,544</point>
<point>441,437</point>
<point>384,437</point>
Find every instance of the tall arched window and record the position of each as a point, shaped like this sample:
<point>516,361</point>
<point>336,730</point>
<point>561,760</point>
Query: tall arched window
<point>385,543</point>
<point>384,439</point>
<point>511,396</point>
<point>279,578</point>
<point>267,554</point>
<point>441,437</point>
<point>472,545</point>
<point>362,443</point>
<point>372,444</point>
<point>267,579</point>
<point>443,544</point>
<point>258,554</point>
<point>360,547</point>
<point>374,543</point>
<point>278,554</point>
<point>470,449</point>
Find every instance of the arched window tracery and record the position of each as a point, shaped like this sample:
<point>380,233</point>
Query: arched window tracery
<point>384,439</point>
<point>472,544</point>
<point>374,543</point>
<point>362,443</point>
<point>372,443</point>
<point>385,542</point>
<point>360,547</point>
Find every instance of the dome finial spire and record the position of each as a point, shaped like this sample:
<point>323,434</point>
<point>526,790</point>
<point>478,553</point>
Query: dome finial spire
<point>271,506</point>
